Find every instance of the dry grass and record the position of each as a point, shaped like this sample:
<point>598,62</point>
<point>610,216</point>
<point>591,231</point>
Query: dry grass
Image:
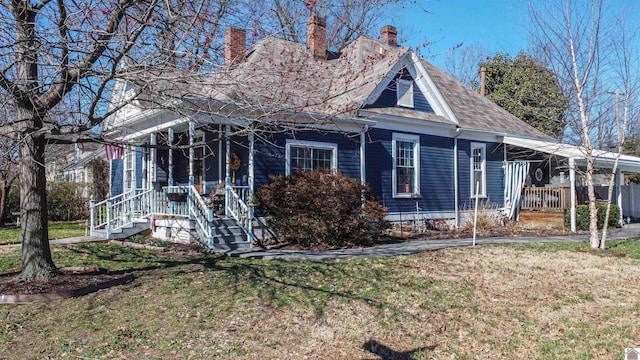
<point>485,302</point>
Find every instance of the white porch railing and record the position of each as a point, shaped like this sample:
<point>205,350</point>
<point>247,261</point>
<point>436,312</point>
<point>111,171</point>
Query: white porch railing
<point>239,210</point>
<point>180,201</point>
<point>546,198</point>
<point>120,210</point>
<point>202,216</point>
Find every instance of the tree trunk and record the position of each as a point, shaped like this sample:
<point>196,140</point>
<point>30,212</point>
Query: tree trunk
<point>36,253</point>
<point>3,202</point>
<point>593,211</point>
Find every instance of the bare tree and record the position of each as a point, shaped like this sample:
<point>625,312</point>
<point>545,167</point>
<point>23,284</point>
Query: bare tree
<point>346,19</point>
<point>463,63</point>
<point>55,53</point>
<point>624,76</point>
<point>575,39</point>
<point>60,61</point>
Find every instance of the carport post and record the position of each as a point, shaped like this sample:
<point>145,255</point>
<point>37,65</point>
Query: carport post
<point>619,192</point>
<point>572,180</point>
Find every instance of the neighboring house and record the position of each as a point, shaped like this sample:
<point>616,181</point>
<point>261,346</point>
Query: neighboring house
<point>374,110</point>
<point>79,163</point>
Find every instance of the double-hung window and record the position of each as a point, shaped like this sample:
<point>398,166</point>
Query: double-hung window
<point>478,169</point>
<point>310,155</point>
<point>129,169</point>
<point>406,165</point>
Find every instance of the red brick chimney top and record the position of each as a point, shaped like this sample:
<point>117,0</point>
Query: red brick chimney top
<point>235,46</point>
<point>389,35</point>
<point>317,36</point>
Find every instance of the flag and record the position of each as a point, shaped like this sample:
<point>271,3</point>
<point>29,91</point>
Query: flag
<point>114,152</point>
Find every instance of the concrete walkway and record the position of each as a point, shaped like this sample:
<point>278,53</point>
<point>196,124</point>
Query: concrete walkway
<point>417,246</point>
<point>65,241</point>
<point>402,248</point>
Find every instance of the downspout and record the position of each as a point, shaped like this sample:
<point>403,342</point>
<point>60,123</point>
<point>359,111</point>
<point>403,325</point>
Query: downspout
<point>456,194</point>
<point>363,173</point>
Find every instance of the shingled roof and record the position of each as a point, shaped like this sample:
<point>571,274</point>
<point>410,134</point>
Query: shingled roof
<point>279,76</point>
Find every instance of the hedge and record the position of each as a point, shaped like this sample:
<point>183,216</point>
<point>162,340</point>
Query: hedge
<point>582,216</point>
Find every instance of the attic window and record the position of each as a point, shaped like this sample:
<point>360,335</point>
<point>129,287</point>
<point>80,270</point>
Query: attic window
<point>404,90</point>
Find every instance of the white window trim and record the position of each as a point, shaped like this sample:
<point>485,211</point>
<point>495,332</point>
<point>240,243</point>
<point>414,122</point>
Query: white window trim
<point>127,185</point>
<point>404,99</point>
<point>313,145</point>
<point>416,150</point>
<point>483,188</point>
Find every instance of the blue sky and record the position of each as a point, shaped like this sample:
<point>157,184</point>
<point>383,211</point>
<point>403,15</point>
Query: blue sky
<point>498,25</point>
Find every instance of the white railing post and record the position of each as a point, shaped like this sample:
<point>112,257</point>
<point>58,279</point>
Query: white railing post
<point>108,227</point>
<point>209,225</point>
<point>92,227</point>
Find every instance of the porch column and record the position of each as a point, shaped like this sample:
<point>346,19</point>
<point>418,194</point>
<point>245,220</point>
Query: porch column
<point>153,141</point>
<point>363,173</point>
<point>170,175</point>
<point>572,181</point>
<point>227,168</point>
<point>220,152</point>
<point>249,198</point>
<point>619,194</point>
<point>192,134</point>
<point>144,167</point>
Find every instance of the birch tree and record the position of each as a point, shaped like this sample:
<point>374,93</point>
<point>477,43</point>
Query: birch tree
<point>575,38</point>
<point>569,36</point>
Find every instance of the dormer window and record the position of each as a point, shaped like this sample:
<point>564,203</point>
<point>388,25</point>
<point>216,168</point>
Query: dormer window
<point>404,89</point>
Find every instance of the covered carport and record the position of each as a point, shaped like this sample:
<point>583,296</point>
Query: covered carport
<point>576,158</point>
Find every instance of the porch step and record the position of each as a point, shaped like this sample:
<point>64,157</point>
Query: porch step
<point>228,235</point>
<point>124,231</point>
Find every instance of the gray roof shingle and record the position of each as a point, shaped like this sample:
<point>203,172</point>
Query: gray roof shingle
<point>282,76</point>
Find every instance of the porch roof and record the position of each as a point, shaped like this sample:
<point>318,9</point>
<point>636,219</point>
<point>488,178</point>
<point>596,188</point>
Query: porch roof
<point>603,159</point>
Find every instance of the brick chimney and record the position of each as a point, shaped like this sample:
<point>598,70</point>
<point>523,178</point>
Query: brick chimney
<point>389,35</point>
<point>317,36</point>
<point>235,46</point>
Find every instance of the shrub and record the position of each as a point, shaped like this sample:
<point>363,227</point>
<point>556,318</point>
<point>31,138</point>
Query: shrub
<point>65,201</point>
<point>323,208</point>
<point>582,216</point>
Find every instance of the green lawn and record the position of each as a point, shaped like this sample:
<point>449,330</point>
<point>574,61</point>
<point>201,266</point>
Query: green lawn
<point>510,301</point>
<point>56,231</point>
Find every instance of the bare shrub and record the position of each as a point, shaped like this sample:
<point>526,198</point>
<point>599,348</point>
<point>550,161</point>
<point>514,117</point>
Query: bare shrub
<point>321,208</point>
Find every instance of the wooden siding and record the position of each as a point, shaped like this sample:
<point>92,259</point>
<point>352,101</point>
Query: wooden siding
<point>388,97</point>
<point>436,172</point>
<point>270,154</point>
<point>494,173</point>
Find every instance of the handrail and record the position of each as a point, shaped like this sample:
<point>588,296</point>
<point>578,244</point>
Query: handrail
<point>120,210</point>
<point>240,211</point>
<point>201,214</point>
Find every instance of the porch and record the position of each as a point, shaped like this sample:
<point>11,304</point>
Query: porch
<point>177,213</point>
<point>164,179</point>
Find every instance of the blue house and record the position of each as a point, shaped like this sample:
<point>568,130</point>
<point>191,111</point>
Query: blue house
<point>197,146</point>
